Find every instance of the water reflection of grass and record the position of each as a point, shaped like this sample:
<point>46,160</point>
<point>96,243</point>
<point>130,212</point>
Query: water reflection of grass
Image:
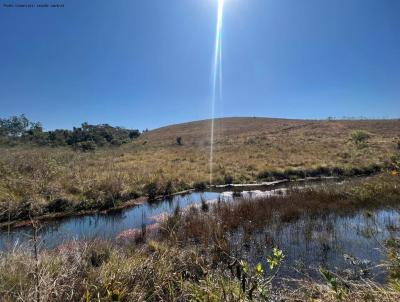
<point>378,192</point>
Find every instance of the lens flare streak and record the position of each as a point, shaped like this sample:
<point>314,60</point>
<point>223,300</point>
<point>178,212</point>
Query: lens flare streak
<point>216,78</point>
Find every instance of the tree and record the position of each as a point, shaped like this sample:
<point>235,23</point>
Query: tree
<point>134,134</point>
<point>14,126</point>
<point>58,137</point>
<point>86,138</point>
<point>35,134</point>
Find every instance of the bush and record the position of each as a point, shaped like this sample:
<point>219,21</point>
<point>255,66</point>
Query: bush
<point>337,171</point>
<point>228,179</point>
<point>394,164</point>
<point>323,171</point>
<point>58,205</point>
<point>116,142</point>
<point>271,175</point>
<point>372,169</point>
<point>360,137</point>
<point>169,188</point>
<point>97,253</point>
<point>134,134</point>
<point>86,146</point>
<point>354,171</point>
<point>151,190</point>
<point>277,175</point>
<point>204,205</point>
<point>200,186</point>
<point>291,173</point>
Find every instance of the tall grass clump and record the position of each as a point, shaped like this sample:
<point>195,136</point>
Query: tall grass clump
<point>212,227</point>
<point>360,137</point>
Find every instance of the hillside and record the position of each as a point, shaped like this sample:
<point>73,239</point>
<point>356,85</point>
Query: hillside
<point>241,129</point>
<point>246,146</point>
<point>246,150</point>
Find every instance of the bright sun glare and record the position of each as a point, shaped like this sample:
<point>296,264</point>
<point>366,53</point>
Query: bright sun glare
<point>216,77</point>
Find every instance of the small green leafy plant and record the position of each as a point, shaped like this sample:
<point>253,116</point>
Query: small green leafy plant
<point>253,282</point>
<point>276,258</point>
<point>332,282</point>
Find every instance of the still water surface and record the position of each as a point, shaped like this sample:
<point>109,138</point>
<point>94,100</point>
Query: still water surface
<point>350,244</point>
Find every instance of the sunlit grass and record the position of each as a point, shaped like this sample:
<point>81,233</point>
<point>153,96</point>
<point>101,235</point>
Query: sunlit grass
<point>244,150</point>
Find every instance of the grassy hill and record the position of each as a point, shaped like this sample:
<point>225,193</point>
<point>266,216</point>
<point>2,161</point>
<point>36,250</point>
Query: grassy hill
<point>245,150</point>
<point>241,129</point>
<point>245,146</point>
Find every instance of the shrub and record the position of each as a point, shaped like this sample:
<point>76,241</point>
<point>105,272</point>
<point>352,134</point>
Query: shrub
<point>360,137</point>
<point>200,186</point>
<point>394,165</point>
<point>372,169</point>
<point>97,253</point>
<point>291,173</point>
<point>263,175</point>
<point>169,188</point>
<point>277,174</point>
<point>354,171</point>
<point>58,205</point>
<point>86,146</point>
<point>228,179</point>
<point>323,171</point>
<point>151,190</point>
<point>116,142</point>
<point>204,205</point>
<point>134,134</point>
<point>271,175</point>
<point>337,171</point>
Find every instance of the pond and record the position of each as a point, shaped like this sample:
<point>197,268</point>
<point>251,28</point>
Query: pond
<point>350,244</point>
<point>101,226</point>
<point>109,225</point>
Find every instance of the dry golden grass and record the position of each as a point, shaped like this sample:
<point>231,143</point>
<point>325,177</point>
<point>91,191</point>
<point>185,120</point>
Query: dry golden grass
<point>244,147</point>
<point>319,292</point>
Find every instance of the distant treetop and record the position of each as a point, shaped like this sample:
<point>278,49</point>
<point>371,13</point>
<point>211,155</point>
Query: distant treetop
<point>19,130</point>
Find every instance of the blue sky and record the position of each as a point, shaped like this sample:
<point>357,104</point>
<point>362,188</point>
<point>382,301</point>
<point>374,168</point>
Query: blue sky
<point>147,63</point>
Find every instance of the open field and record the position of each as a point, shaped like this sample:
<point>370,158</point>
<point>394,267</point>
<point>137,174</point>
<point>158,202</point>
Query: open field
<point>37,180</point>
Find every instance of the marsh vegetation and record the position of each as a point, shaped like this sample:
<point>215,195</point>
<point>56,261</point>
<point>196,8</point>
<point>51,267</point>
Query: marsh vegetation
<point>331,242</point>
